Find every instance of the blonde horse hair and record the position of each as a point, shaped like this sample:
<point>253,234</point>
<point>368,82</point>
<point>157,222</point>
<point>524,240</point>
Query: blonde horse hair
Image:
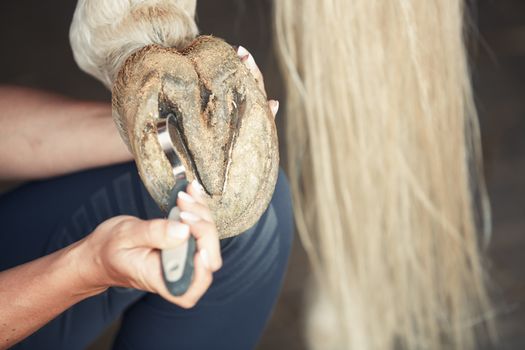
<point>104,33</point>
<point>384,159</point>
<point>383,151</point>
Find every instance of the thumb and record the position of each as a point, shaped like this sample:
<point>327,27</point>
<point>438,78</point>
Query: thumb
<point>162,234</point>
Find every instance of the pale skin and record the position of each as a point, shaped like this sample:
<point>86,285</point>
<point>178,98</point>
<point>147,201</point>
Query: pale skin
<point>54,136</point>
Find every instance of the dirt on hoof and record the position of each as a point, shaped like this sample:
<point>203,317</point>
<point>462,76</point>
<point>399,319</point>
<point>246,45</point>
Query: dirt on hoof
<point>225,121</point>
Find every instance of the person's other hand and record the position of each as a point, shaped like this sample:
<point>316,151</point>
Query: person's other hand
<point>125,251</point>
<point>249,62</point>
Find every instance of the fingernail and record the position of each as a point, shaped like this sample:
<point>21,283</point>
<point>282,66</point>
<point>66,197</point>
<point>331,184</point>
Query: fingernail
<point>178,230</point>
<point>205,258</point>
<point>274,106</point>
<point>241,51</point>
<point>189,217</point>
<point>250,62</point>
<point>174,214</point>
<point>197,186</point>
<point>185,197</point>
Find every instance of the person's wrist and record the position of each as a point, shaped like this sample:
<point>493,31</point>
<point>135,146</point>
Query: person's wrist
<point>87,268</point>
<point>106,130</point>
<point>120,151</point>
<point>99,129</point>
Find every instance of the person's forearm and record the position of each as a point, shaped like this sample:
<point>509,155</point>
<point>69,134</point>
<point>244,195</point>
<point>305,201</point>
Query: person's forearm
<point>44,135</point>
<point>34,293</point>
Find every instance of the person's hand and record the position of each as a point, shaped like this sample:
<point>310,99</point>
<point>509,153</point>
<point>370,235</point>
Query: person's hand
<point>249,62</point>
<point>125,251</point>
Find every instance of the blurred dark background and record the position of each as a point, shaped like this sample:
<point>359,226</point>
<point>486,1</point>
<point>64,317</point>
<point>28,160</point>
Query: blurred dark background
<point>34,52</point>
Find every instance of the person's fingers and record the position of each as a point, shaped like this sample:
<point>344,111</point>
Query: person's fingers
<point>185,202</point>
<point>198,216</point>
<point>202,279</point>
<point>207,238</point>
<point>274,106</point>
<point>249,62</point>
<point>196,191</point>
<point>151,278</point>
<point>211,249</point>
<point>159,234</point>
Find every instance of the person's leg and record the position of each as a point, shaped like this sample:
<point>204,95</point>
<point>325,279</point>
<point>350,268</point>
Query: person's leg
<point>233,312</point>
<point>41,217</point>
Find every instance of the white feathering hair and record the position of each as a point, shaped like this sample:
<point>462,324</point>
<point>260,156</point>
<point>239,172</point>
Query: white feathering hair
<point>104,33</point>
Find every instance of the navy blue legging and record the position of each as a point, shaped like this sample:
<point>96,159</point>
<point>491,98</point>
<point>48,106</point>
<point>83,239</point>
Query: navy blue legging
<point>44,216</point>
